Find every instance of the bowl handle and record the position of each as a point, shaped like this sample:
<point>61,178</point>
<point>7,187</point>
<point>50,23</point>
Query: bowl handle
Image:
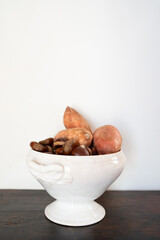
<point>53,173</point>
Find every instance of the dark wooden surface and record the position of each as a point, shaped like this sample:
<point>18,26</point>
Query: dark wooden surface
<point>130,215</point>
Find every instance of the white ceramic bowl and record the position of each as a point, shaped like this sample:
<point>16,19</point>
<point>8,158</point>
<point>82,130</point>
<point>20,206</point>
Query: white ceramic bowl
<point>75,182</point>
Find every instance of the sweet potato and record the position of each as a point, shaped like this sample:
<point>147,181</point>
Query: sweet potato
<point>73,119</point>
<point>81,135</point>
<point>107,139</point>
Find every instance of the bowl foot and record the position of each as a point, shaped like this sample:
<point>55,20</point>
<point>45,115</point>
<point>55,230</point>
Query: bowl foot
<point>74,214</point>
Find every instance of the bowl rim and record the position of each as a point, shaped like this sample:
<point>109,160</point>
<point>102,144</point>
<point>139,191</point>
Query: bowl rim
<point>51,156</point>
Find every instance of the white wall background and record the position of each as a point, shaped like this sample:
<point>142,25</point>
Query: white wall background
<point>100,57</point>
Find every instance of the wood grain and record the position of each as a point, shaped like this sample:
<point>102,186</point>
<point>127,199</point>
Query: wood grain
<point>130,215</point>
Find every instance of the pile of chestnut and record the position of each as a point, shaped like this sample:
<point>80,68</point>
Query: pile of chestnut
<point>78,140</point>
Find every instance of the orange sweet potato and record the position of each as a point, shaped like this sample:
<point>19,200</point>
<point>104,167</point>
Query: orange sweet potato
<point>73,119</point>
<point>107,139</point>
<point>81,135</point>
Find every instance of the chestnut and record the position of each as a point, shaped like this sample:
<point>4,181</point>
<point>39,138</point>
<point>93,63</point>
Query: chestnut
<point>47,141</point>
<point>69,146</point>
<point>80,151</point>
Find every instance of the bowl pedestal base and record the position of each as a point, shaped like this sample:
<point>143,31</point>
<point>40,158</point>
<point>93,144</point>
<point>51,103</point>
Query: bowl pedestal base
<point>73,213</point>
